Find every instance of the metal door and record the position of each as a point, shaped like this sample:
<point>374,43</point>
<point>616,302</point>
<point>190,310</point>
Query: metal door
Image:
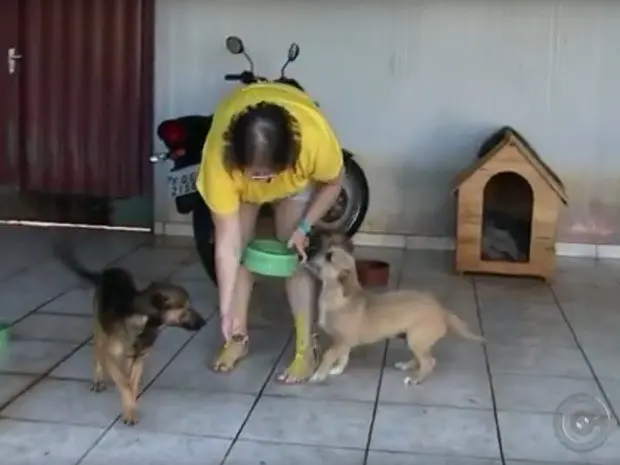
<point>85,103</point>
<point>9,92</point>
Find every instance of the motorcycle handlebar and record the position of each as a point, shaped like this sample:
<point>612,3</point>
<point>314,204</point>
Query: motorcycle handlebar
<point>247,77</point>
<point>233,77</point>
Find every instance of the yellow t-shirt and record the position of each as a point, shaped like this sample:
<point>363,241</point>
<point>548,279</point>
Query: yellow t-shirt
<point>320,158</point>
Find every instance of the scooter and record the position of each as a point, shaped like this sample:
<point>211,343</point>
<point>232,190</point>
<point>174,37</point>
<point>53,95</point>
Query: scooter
<point>184,138</point>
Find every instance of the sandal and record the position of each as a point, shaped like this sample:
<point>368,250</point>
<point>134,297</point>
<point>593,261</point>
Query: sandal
<point>303,365</point>
<point>231,353</point>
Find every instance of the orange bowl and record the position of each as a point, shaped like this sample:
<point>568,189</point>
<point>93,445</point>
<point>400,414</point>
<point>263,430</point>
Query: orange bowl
<point>373,273</point>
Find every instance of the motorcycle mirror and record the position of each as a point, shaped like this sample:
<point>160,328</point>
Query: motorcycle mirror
<point>293,52</point>
<point>234,45</point>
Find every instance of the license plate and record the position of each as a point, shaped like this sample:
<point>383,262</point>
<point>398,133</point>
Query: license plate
<point>183,181</point>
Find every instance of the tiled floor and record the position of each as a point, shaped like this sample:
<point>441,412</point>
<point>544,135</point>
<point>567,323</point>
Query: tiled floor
<point>483,405</point>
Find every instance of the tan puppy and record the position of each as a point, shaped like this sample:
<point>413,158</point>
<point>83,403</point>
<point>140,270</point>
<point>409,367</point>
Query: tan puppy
<point>353,317</point>
<point>322,240</point>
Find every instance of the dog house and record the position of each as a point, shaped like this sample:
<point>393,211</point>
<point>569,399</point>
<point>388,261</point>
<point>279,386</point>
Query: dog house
<point>508,205</point>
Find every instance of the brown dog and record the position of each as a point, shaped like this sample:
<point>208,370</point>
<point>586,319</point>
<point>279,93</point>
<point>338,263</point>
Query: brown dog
<point>127,324</point>
<point>353,317</point>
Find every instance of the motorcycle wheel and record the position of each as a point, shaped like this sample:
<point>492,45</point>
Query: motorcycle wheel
<point>349,211</point>
<point>202,224</point>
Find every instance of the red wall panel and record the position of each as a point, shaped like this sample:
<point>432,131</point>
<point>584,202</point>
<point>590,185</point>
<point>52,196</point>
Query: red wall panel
<point>86,96</point>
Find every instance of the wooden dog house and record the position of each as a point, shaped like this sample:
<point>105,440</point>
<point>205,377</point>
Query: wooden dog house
<point>508,204</point>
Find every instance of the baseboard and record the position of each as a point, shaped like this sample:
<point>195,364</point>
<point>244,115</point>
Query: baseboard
<point>568,249</point>
<point>402,241</point>
<point>173,229</point>
<point>608,251</point>
<point>395,241</point>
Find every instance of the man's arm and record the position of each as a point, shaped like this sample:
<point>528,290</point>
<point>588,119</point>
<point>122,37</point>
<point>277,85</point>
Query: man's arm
<point>227,258</point>
<point>324,198</point>
<point>219,193</point>
<point>327,173</point>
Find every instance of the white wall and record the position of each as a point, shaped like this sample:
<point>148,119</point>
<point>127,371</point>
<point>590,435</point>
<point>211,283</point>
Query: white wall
<point>413,87</point>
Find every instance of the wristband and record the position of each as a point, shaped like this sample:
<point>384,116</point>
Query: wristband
<point>304,226</point>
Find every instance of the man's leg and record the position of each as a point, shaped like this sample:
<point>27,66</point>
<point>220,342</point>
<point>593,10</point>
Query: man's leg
<point>236,349</point>
<point>300,292</point>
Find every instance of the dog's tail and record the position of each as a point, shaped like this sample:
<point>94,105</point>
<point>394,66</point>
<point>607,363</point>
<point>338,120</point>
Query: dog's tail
<point>460,327</point>
<point>67,257</point>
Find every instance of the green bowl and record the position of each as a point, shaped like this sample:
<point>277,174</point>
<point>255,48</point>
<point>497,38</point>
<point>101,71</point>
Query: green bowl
<point>270,257</point>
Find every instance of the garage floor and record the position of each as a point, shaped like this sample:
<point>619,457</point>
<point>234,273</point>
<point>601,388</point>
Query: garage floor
<point>482,404</point>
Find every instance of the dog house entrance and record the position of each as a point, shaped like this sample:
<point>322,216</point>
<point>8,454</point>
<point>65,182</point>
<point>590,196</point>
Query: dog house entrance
<point>507,219</point>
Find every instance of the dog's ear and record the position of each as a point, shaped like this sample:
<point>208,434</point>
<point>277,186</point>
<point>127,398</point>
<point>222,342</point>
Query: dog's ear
<point>341,240</point>
<point>158,300</point>
<point>347,244</point>
<point>137,322</point>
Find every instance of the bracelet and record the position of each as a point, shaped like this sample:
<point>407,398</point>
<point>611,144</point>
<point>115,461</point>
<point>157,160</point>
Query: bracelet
<point>304,226</point>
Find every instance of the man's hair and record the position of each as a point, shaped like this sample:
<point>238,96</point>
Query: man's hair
<point>264,135</point>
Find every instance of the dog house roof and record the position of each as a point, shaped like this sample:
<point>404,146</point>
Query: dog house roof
<point>495,143</point>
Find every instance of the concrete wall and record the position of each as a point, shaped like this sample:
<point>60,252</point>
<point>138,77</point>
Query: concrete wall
<point>413,87</point>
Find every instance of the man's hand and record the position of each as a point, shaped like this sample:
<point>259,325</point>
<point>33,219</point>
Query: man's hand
<point>299,241</point>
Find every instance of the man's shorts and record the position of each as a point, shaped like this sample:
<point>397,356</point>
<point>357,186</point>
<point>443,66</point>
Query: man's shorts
<point>304,195</point>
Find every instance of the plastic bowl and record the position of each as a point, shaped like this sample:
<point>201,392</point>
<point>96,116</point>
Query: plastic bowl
<point>270,257</point>
<point>373,273</point>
